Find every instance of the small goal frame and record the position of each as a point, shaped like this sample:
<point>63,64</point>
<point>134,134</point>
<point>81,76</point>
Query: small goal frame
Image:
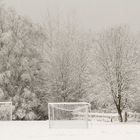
<point>10,103</point>
<point>85,104</point>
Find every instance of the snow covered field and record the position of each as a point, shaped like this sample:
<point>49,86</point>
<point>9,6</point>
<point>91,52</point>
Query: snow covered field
<point>38,130</point>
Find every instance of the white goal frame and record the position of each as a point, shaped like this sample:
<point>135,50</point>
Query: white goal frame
<point>51,107</point>
<point>10,104</point>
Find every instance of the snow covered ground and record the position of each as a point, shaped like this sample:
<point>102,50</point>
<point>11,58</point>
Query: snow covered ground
<point>38,130</point>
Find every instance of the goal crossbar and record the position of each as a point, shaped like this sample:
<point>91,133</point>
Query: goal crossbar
<point>80,108</point>
<point>69,103</point>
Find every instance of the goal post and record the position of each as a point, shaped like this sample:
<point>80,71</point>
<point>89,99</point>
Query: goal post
<point>68,114</point>
<point>5,111</point>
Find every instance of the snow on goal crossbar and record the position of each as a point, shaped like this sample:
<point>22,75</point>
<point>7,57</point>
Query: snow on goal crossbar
<point>68,114</point>
<point>5,111</point>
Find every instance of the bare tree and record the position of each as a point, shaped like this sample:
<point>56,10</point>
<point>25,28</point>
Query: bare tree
<point>117,54</point>
<point>66,60</point>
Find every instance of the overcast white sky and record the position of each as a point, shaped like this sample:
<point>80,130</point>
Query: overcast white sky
<point>95,14</point>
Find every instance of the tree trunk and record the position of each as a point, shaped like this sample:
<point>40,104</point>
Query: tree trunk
<point>120,115</point>
<point>125,117</point>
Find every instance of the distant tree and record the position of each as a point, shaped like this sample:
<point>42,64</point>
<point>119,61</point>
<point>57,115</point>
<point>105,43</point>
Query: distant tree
<point>66,60</point>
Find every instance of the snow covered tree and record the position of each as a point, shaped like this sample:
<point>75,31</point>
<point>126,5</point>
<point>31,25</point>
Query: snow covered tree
<point>20,64</point>
<point>118,55</point>
<point>66,60</point>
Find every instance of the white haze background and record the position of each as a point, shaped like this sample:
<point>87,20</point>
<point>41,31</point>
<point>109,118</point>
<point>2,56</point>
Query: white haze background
<point>94,14</point>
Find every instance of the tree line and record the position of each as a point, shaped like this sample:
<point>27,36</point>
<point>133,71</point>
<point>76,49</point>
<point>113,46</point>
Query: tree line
<point>60,62</point>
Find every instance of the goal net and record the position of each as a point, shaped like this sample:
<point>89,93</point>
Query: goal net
<point>68,115</point>
<point>5,111</point>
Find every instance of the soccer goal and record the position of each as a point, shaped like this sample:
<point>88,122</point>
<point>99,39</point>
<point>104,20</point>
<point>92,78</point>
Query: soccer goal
<point>5,111</point>
<point>68,114</point>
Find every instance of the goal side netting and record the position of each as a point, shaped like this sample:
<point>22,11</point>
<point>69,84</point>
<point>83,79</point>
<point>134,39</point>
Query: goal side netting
<point>5,111</point>
<point>68,115</point>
